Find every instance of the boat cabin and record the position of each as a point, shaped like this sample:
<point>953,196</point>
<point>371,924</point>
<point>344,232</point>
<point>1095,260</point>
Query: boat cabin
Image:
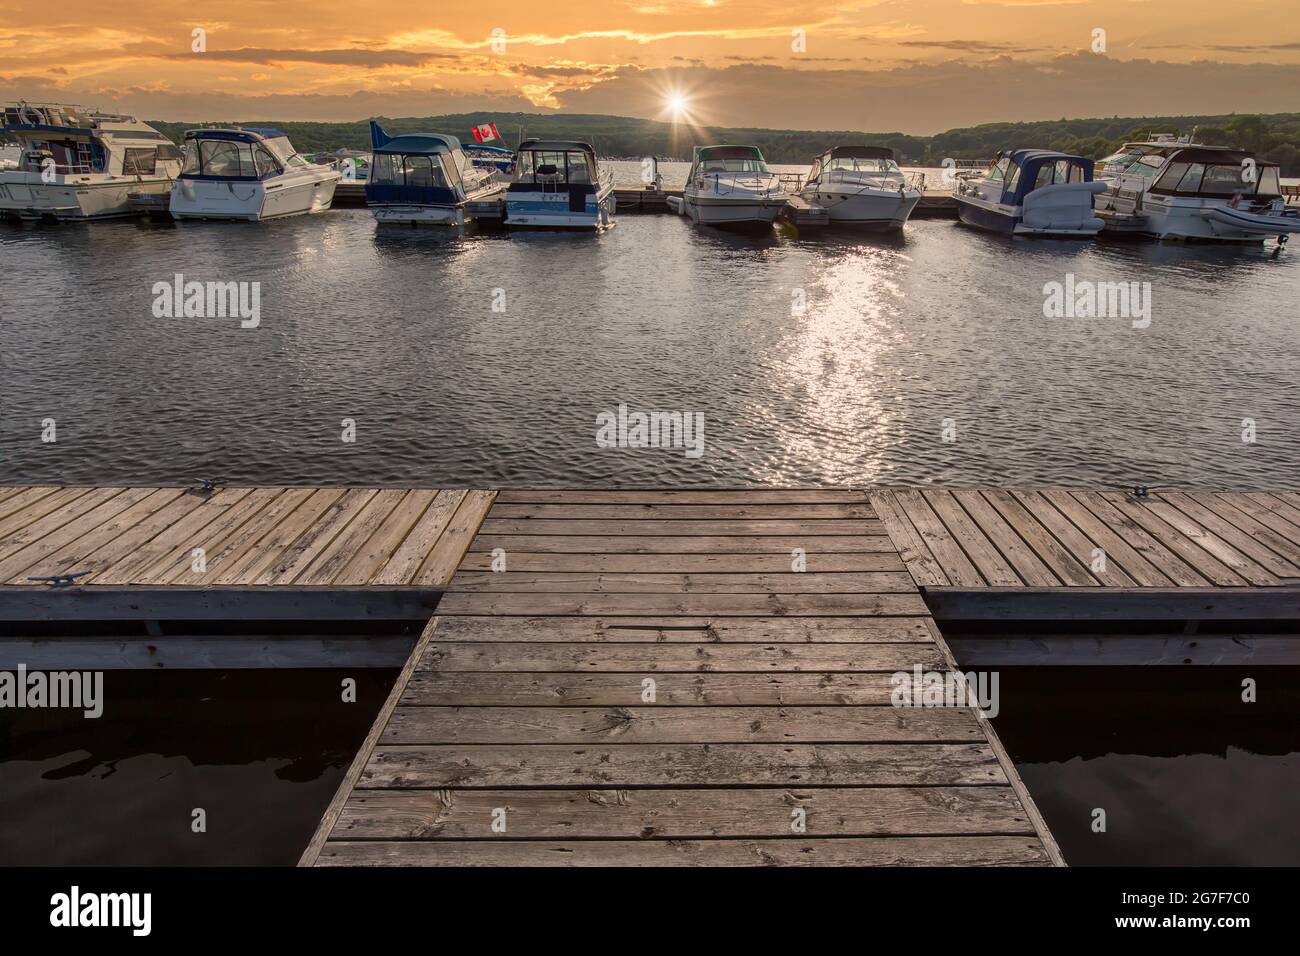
<point>853,159</point>
<point>240,154</point>
<point>1217,174</point>
<point>729,159</point>
<point>551,165</point>
<point>419,168</point>
<point>1022,171</point>
<point>85,142</point>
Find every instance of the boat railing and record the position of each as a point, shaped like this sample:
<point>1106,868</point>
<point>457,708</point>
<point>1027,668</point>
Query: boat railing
<point>790,182</point>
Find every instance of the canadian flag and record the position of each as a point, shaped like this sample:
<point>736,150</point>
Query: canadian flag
<point>486,132</point>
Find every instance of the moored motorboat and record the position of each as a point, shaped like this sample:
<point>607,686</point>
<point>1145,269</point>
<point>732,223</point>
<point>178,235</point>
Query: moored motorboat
<point>1032,192</point>
<point>1182,191</point>
<point>424,178</point>
<point>248,173</point>
<point>732,186</point>
<point>861,186</point>
<point>559,184</point>
<point>75,163</point>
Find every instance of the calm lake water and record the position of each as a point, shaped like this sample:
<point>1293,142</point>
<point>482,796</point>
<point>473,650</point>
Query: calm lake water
<point>260,752</point>
<point>396,330</point>
<point>1186,773</point>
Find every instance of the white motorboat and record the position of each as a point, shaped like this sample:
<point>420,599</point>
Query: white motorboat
<point>559,184</point>
<point>77,163</point>
<point>1032,192</point>
<point>1170,190</point>
<point>424,178</point>
<point>861,186</point>
<point>248,173</point>
<point>732,186</point>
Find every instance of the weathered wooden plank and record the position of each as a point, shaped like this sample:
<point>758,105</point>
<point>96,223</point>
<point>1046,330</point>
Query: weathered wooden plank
<point>1265,532</point>
<point>350,543</point>
<point>211,652</point>
<point>921,563</point>
<point>1176,570</point>
<point>21,498</point>
<point>19,557</point>
<point>442,561</point>
<point>679,814</point>
<point>747,496</point>
<point>857,630</point>
<point>414,551</point>
<point>567,563</point>
<point>1117,549</point>
<point>646,765</point>
<point>1123,650</point>
<point>1175,540</point>
<point>317,537</point>
<point>212,537</point>
<point>1068,569</point>
<point>870,851</point>
<point>246,569</point>
<point>1076,542</point>
<point>370,559</point>
<point>982,552</point>
<point>174,602</point>
<point>1243,542</point>
<point>809,582</point>
<point>680,527</point>
<point>1006,539</point>
<point>121,535</point>
<point>627,690</point>
<point>1211,543</point>
<point>757,605</point>
<point>39,507</point>
<point>173,541</point>
<point>711,512</point>
<point>957,568</point>
<point>1111,604</point>
<point>70,513</point>
<point>680,725</point>
<point>676,657</point>
<point>676,544</point>
<point>254,536</point>
<point>1280,516</point>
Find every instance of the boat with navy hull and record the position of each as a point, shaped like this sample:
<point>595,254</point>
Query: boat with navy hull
<point>250,173</point>
<point>1032,192</point>
<point>75,163</point>
<point>424,179</point>
<point>861,186</point>
<point>558,184</point>
<point>1182,191</point>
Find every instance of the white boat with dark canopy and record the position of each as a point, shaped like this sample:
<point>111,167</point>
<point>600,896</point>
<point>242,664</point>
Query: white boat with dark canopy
<point>424,179</point>
<point>1169,190</point>
<point>1032,192</point>
<point>558,184</point>
<point>248,172</point>
<point>861,186</point>
<point>732,186</point>
<point>75,163</point>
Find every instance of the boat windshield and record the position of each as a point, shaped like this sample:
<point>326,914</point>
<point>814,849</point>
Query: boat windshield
<point>228,159</point>
<point>724,165</point>
<point>389,169</point>
<point>555,166</point>
<point>1219,179</point>
<point>855,164</point>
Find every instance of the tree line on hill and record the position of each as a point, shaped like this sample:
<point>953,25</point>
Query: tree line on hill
<point>1274,137</point>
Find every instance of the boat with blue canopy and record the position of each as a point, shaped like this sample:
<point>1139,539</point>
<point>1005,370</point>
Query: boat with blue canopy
<point>424,178</point>
<point>1032,192</point>
<point>559,184</point>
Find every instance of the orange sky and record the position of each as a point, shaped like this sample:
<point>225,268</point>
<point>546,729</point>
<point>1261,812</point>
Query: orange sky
<point>913,65</point>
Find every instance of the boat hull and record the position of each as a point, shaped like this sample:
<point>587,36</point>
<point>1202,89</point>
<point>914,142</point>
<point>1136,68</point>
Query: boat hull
<point>1171,219</point>
<point>1008,220</point>
<point>715,211</point>
<point>24,196</point>
<point>251,201</point>
<point>875,209</point>
<point>420,215</point>
<point>552,210</point>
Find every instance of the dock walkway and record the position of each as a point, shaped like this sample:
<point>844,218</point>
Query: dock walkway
<point>647,679</point>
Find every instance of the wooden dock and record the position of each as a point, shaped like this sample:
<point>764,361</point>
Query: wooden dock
<point>648,679</point>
